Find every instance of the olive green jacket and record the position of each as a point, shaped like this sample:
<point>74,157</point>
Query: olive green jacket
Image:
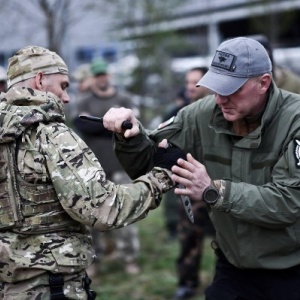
<point>258,224</point>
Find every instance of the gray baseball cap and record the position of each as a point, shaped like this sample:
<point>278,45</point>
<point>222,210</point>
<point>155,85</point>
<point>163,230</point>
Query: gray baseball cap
<point>235,61</point>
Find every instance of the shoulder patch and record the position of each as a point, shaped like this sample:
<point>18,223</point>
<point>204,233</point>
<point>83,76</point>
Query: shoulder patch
<point>166,123</point>
<point>297,152</point>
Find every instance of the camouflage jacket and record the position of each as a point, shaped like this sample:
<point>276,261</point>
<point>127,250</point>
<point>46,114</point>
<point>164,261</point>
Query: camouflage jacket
<point>49,153</point>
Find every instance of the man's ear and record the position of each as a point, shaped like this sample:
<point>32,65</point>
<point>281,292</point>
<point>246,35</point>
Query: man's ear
<point>265,81</point>
<point>39,81</point>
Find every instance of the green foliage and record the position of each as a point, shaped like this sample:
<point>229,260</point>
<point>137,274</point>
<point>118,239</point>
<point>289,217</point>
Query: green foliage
<point>158,279</point>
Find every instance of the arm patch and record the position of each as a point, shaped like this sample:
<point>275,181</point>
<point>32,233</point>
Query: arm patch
<point>297,152</point>
<point>166,123</point>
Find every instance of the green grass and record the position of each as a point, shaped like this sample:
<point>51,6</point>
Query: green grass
<point>158,279</point>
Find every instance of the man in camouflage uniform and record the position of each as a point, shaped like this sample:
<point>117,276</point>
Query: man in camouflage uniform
<point>52,186</point>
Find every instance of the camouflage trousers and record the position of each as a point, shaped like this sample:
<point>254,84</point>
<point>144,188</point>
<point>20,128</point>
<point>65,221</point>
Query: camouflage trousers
<point>191,238</point>
<point>37,288</point>
<point>123,241</point>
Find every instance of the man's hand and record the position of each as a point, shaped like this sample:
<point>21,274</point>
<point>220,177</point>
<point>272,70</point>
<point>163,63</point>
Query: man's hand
<point>166,155</point>
<point>191,174</point>
<point>114,118</point>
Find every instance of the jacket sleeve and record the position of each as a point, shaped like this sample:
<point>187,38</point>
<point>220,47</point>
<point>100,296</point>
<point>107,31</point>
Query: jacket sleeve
<point>273,205</point>
<point>136,154</point>
<point>82,188</point>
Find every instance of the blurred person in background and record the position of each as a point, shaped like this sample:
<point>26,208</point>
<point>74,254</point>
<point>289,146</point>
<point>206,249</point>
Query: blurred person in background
<point>96,95</point>
<point>3,80</point>
<point>191,236</point>
<point>80,81</point>
<point>180,101</point>
<point>189,93</point>
<point>170,207</point>
<point>83,77</point>
<point>284,77</point>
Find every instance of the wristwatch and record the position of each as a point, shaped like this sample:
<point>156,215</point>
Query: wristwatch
<point>211,195</point>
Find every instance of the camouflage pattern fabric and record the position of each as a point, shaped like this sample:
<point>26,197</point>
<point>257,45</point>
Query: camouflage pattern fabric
<point>50,152</point>
<point>125,240</point>
<point>30,60</point>
<point>37,288</point>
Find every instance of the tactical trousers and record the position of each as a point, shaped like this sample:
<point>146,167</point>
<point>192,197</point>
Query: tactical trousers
<point>124,241</point>
<point>75,286</point>
<point>191,238</point>
<point>231,283</point>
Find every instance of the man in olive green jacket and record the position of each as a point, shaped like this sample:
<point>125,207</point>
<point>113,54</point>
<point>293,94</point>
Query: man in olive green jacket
<point>244,162</point>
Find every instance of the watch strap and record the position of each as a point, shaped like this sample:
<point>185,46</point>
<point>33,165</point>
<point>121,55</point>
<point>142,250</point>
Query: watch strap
<point>221,186</point>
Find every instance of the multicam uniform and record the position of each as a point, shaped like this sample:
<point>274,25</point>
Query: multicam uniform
<point>55,186</point>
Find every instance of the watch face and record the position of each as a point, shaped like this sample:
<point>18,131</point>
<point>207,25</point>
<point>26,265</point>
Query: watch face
<point>211,195</point>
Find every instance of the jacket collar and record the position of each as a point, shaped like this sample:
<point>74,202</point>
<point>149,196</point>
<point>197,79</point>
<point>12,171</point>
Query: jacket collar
<point>253,139</point>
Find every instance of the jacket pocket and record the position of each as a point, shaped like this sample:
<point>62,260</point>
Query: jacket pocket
<point>75,256</point>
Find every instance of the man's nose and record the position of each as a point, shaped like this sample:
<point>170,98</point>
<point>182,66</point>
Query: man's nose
<point>65,98</point>
<point>221,99</point>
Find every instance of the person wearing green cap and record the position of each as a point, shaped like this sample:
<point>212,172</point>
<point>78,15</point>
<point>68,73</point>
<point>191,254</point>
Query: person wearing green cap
<point>99,66</point>
<point>121,244</point>
<point>53,187</point>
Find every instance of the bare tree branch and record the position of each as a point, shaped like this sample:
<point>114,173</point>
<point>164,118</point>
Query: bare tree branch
<point>54,17</point>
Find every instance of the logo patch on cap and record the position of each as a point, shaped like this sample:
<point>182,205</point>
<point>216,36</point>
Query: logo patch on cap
<point>224,60</point>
